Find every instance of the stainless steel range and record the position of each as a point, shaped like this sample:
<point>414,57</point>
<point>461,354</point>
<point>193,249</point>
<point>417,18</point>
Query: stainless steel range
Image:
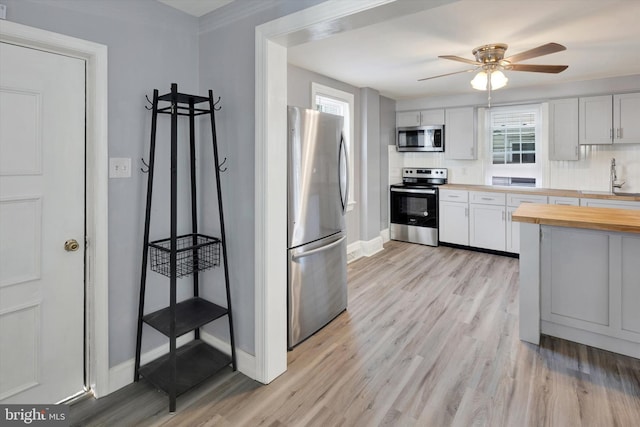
<point>414,205</point>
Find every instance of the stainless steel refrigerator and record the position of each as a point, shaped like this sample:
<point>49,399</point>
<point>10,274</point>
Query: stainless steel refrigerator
<point>317,240</point>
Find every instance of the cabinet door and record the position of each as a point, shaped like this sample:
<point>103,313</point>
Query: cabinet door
<point>513,232</point>
<point>575,278</point>
<point>607,203</point>
<point>630,289</point>
<point>596,115</point>
<point>432,117</point>
<point>487,226</point>
<point>460,134</point>
<point>563,129</point>
<point>454,223</point>
<point>626,118</point>
<point>408,118</point>
<point>566,201</point>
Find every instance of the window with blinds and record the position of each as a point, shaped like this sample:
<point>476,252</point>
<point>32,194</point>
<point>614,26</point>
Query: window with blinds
<point>513,137</point>
<point>331,106</point>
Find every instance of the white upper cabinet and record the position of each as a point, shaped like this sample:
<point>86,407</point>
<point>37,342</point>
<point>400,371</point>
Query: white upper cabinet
<point>626,118</point>
<point>610,119</point>
<point>563,129</point>
<point>460,134</point>
<point>420,118</point>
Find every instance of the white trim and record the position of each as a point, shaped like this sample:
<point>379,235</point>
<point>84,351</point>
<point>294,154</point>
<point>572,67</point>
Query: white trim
<point>365,248</point>
<point>349,99</point>
<point>97,280</point>
<point>386,236</point>
<point>535,170</point>
<point>270,172</point>
<point>246,362</point>
<point>122,375</point>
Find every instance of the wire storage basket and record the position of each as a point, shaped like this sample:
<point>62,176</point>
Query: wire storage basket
<point>195,252</point>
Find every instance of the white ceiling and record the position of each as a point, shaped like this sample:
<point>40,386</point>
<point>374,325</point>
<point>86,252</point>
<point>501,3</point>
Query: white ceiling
<point>196,7</point>
<point>602,39</point>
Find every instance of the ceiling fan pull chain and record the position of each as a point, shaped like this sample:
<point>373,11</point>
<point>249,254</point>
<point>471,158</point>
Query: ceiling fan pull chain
<point>489,87</point>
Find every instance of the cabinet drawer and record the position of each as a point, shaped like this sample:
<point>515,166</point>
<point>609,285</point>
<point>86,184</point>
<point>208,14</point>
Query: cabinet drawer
<point>454,195</point>
<point>567,201</point>
<point>516,199</point>
<point>487,198</point>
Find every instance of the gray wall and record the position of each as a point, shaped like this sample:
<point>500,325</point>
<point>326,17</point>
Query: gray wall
<point>227,66</point>
<point>387,137</point>
<point>150,46</point>
<point>299,94</point>
<point>370,160</point>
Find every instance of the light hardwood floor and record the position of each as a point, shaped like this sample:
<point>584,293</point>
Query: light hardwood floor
<point>430,338</point>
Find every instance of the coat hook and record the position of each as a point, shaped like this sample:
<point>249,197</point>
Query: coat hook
<point>144,163</point>
<point>220,165</point>
<point>218,108</point>
<point>149,101</point>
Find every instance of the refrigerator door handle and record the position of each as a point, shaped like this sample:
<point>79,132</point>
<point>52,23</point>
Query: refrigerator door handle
<point>344,199</point>
<point>320,249</point>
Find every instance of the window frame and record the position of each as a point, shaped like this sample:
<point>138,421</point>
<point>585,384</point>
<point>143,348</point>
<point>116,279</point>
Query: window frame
<point>519,170</point>
<point>318,89</point>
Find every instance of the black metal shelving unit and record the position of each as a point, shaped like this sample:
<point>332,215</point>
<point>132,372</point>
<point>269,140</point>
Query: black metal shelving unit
<point>178,256</point>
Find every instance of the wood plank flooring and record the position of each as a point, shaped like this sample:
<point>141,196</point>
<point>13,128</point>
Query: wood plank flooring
<point>430,338</point>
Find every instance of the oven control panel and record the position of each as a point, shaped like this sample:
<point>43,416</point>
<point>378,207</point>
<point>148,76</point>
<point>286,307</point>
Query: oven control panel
<point>423,173</point>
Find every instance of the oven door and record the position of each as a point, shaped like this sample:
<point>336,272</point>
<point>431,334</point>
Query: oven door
<point>416,207</point>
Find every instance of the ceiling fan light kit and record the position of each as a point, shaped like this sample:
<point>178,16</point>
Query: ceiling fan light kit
<point>482,80</point>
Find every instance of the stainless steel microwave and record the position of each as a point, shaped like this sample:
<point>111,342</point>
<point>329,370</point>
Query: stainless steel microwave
<point>420,138</point>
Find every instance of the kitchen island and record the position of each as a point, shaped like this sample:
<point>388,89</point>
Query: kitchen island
<point>580,275</point>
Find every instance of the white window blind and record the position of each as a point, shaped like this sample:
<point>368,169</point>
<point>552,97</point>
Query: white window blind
<point>513,137</point>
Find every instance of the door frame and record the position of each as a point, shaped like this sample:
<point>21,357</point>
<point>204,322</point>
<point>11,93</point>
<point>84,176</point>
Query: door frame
<point>270,266</point>
<point>96,178</point>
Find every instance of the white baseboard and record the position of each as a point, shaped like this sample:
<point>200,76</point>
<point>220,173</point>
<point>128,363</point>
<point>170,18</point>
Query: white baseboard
<point>246,362</point>
<point>122,375</point>
<point>367,248</point>
<point>386,236</point>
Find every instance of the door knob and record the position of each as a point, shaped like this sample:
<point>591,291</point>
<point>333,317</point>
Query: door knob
<point>71,245</point>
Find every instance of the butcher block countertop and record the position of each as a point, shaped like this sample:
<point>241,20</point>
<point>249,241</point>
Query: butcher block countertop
<point>609,219</point>
<point>541,191</point>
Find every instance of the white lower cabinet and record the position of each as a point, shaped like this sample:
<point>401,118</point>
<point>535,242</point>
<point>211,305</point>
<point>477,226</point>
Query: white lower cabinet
<point>513,228</point>
<point>487,220</point>
<point>566,201</point>
<point>589,282</point>
<point>454,223</point>
<point>454,217</point>
<point>608,203</point>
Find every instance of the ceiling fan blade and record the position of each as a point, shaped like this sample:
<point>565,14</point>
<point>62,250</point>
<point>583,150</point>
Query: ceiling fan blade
<point>448,74</point>
<point>537,68</point>
<point>460,59</point>
<point>545,49</point>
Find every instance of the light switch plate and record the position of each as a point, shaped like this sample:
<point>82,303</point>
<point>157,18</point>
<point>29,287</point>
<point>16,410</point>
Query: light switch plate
<point>119,167</point>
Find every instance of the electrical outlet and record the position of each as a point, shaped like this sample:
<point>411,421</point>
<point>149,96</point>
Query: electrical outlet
<point>120,167</point>
<point>3,11</point>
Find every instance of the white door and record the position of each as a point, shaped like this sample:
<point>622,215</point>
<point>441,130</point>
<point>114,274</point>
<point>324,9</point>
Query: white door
<point>42,116</point>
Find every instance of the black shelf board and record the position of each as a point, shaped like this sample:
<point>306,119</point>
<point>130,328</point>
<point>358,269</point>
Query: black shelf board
<point>195,362</point>
<point>183,98</point>
<point>190,314</point>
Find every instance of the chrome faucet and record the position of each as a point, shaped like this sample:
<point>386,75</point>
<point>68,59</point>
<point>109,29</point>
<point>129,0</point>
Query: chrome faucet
<point>613,177</point>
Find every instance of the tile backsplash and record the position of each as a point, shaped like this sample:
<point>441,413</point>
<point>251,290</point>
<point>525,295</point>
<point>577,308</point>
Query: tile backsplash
<point>591,172</point>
